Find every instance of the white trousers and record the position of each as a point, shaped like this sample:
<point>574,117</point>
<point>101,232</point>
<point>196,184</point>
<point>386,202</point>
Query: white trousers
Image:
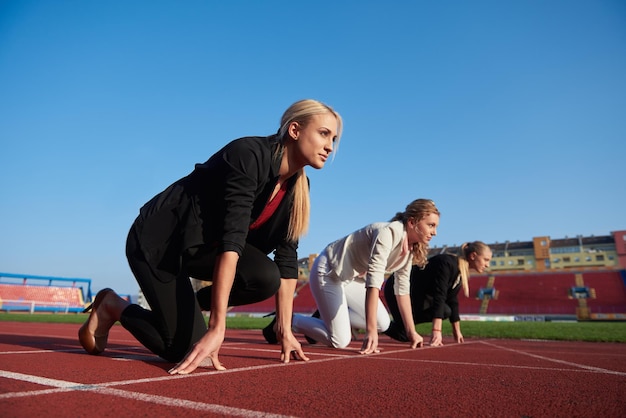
<point>341,304</point>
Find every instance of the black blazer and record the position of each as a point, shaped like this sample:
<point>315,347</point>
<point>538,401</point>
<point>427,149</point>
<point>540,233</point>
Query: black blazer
<point>215,205</point>
<point>437,285</point>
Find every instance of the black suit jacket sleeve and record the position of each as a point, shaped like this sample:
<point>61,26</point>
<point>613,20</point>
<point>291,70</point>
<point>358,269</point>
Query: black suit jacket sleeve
<point>443,271</point>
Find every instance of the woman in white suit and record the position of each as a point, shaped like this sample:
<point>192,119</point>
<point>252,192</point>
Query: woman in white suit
<point>347,276</point>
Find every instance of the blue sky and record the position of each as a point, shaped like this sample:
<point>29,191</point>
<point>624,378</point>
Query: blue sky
<point>511,115</point>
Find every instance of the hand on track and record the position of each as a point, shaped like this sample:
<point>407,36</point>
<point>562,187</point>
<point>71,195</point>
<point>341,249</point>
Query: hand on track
<point>370,343</point>
<point>206,349</point>
<point>416,340</point>
<point>290,347</point>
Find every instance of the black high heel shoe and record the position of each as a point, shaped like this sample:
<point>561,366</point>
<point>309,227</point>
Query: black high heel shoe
<point>269,333</point>
<point>94,344</point>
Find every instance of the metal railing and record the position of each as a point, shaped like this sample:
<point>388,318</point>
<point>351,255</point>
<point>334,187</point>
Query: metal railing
<point>37,305</point>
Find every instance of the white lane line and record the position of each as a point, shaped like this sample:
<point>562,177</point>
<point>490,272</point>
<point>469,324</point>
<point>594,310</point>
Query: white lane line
<point>504,366</point>
<point>32,393</point>
<point>182,403</point>
<point>195,374</point>
<point>212,372</point>
<point>38,380</point>
<point>68,350</point>
<point>568,363</point>
<point>308,353</point>
<point>66,386</point>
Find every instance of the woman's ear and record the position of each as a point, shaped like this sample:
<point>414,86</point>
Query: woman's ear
<point>294,130</point>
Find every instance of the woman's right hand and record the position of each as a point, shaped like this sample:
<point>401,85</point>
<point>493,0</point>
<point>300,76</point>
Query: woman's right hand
<point>436,340</point>
<point>370,343</point>
<point>415,339</point>
<point>207,348</point>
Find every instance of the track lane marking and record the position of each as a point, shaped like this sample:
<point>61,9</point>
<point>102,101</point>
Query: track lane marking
<point>568,363</point>
<point>62,386</point>
<point>508,366</point>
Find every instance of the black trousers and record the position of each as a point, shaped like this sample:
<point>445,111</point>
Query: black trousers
<point>421,304</point>
<point>175,321</point>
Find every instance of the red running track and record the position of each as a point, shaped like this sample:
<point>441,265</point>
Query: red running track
<point>44,372</point>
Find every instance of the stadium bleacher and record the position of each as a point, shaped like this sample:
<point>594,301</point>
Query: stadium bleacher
<point>472,304</point>
<point>529,293</point>
<point>542,294</point>
<point>556,293</point>
<point>30,293</point>
<point>537,293</point>
<point>609,290</point>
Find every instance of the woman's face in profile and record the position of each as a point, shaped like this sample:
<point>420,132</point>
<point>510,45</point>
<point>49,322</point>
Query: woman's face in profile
<point>480,262</point>
<point>314,141</point>
<point>424,230</point>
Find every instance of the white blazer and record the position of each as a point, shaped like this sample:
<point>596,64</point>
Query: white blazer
<point>370,253</point>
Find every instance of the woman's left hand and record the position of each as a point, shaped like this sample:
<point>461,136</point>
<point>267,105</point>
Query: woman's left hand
<point>290,346</point>
<point>204,352</point>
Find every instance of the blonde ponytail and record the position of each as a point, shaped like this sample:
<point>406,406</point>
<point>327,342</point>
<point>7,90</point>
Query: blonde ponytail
<point>301,209</point>
<point>464,270</point>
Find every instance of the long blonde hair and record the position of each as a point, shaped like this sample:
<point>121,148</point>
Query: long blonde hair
<point>301,112</point>
<point>417,210</point>
<point>465,251</point>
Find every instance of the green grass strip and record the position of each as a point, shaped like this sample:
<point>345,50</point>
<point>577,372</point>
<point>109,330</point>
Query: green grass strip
<point>593,331</point>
